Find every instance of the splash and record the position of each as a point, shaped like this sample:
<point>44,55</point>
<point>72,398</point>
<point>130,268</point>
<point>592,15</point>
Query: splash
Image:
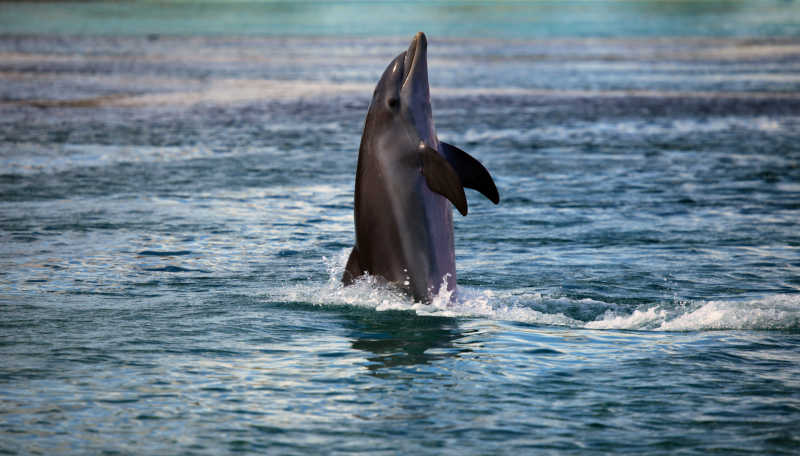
<point>370,292</point>
<point>775,312</point>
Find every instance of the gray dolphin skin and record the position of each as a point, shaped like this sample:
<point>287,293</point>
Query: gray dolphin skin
<point>405,181</point>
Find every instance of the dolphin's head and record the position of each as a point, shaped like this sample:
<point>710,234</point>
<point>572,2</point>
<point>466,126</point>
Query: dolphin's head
<point>401,104</point>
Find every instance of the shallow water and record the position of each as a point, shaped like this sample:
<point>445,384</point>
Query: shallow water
<point>176,211</point>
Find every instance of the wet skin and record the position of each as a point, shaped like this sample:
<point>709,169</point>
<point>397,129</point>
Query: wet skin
<point>406,180</point>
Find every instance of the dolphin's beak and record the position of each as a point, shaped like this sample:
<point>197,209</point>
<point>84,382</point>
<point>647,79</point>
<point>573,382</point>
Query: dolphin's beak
<point>416,65</point>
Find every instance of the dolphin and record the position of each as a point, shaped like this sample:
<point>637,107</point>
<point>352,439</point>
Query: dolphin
<point>406,180</point>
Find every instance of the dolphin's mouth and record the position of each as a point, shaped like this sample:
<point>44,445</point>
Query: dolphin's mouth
<point>415,56</point>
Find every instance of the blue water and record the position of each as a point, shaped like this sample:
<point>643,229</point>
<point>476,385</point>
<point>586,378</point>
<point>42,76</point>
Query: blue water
<point>176,211</point>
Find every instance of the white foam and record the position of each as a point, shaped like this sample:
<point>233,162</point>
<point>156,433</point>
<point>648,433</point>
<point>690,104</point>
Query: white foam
<point>639,319</point>
<point>368,292</point>
<point>774,312</point>
<point>777,312</point>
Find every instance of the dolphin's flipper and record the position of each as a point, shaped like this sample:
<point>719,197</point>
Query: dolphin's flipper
<point>353,268</point>
<point>443,179</point>
<point>472,173</point>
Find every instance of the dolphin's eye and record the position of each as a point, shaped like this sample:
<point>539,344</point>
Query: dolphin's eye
<point>393,102</point>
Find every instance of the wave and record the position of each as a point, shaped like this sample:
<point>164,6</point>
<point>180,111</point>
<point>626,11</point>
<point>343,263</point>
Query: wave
<point>29,158</point>
<point>232,91</point>
<point>633,129</point>
<point>780,312</point>
<point>775,312</point>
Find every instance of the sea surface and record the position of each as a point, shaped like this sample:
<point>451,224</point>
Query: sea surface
<point>176,209</point>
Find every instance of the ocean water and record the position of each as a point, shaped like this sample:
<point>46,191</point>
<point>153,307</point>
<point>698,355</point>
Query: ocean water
<point>176,197</point>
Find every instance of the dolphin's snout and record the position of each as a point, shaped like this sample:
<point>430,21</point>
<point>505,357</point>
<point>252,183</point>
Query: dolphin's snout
<point>415,63</point>
<point>419,44</point>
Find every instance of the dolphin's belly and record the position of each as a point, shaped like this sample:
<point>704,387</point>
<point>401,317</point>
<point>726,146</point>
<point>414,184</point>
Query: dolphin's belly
<point>441,253</point>
<point>405,234</point>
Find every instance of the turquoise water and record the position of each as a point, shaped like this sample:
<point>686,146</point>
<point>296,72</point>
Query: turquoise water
<point>497,19</point>
<point>176,211</point>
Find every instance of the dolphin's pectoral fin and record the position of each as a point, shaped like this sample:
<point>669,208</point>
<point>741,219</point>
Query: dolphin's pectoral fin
<point>353,268</point>
<point>471,172</point>
<point>443,179</point>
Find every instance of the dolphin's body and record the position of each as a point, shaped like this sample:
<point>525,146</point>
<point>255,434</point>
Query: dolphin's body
<point>404,179</point>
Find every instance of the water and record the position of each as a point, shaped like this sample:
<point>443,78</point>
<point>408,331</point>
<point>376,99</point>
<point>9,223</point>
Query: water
<point>176,211</point>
